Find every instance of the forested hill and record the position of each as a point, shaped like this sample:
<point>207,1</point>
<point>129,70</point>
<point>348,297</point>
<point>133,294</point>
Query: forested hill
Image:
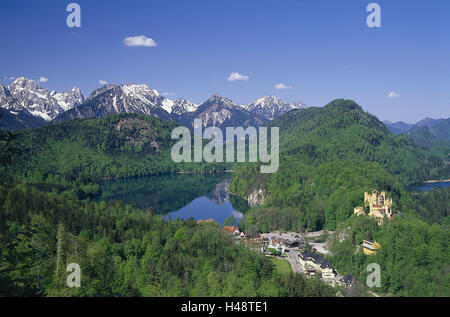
<point>328,157</point>
<point>343,130</point>
<point>82,151</point>
<point>124,251</point>
<point>429,137</point>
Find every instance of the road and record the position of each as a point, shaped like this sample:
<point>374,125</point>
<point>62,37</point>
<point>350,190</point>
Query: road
<point>292,257</point>
<point>373,293</point>
<point>320,247</point>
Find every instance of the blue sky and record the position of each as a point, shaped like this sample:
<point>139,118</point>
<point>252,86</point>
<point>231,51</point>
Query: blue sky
<point>322,50</point>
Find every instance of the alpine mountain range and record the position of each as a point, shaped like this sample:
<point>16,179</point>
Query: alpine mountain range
<point>25,104</point>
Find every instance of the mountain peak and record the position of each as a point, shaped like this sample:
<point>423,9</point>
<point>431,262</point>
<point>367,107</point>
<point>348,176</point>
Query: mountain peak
<point>220,100</point>
<point>21,80</point>
<point>181,106</point>
<point>269,107</point>
<point>428,122</point>
<point>26,95</point>
<point>216,96</point>
<point>298,105</point>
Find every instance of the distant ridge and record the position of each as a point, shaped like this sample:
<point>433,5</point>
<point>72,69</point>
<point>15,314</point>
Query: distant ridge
<point>29,105</point>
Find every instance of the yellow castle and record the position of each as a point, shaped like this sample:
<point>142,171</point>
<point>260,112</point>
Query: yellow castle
<point>379,205</point>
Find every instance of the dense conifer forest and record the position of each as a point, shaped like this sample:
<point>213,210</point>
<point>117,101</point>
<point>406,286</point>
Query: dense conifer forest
<point>328,158</point>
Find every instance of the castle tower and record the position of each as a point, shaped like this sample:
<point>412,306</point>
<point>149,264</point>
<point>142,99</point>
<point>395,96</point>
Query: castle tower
<point>380,206</point>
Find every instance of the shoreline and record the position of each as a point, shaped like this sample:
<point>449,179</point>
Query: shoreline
<point>215,172</point>
<point>436,181</point>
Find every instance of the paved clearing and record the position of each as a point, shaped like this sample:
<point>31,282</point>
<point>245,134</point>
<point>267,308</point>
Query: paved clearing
<point>320,247</point>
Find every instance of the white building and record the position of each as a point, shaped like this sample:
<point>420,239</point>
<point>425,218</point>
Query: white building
<point>315,263</point>
<point>277,245</point>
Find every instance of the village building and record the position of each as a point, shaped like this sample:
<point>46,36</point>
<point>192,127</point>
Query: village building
<point>284,241</point>
<point>229,229</point>
<point>370,247</point>
<point>253,241</point>
<point>380,207</point>
<point>249,235</point>
<point>276,244</point>
<point>292,242</point>
<point>316,264</point>
<point>348,280</point>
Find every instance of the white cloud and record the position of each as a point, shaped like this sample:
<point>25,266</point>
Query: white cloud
<point>12,78</point>
<point>140,40</point>
<point>237,76</point>
<point>393,95</point>
<point>43,79</point>
<point>282,86</point>
<point>102,82</point>
<point>168,94</point>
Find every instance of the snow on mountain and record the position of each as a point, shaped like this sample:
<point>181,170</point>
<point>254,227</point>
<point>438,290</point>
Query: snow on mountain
<point>25,94</point>
<point>128,98</point>
<point>298,105</point>
<point>5,98</point>
<point>68,100</point>
<point>181,105</point>
<point>271,107</point>
<point>219,111</point>
<point>28,99</point>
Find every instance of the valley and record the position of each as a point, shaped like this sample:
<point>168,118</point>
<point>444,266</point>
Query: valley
<point>112,171</point>
<point>225,156</point>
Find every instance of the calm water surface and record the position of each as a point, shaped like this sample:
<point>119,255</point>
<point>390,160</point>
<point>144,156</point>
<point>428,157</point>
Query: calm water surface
<point>201,196</point>
<point>429,186</point>
<point>183,196</point>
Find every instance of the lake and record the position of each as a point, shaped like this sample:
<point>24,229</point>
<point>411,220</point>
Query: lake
<point>200,196</point>
<point>428,186</point>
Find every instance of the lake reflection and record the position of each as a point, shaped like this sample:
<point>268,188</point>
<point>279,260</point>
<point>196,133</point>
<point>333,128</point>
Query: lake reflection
<point>202,196</point>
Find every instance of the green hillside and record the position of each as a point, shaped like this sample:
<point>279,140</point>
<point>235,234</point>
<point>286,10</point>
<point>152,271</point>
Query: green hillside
<point>414,256</point>
<point>328,157</point>
<point>430,137</point>
<point>124,251</point>
<point>82,152</point>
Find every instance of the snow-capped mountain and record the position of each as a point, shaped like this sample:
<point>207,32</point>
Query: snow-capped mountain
<point>271,107</point>
<point>5,97</point>
<point>14,116</point>
<point>128,98</point>
<point>182,106</point>
<point>133,98</point>
<point>24,94</point>
<point>69,99</point>
<point>30,105</point>
<point>219,111</point>
<point>298,105</point>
